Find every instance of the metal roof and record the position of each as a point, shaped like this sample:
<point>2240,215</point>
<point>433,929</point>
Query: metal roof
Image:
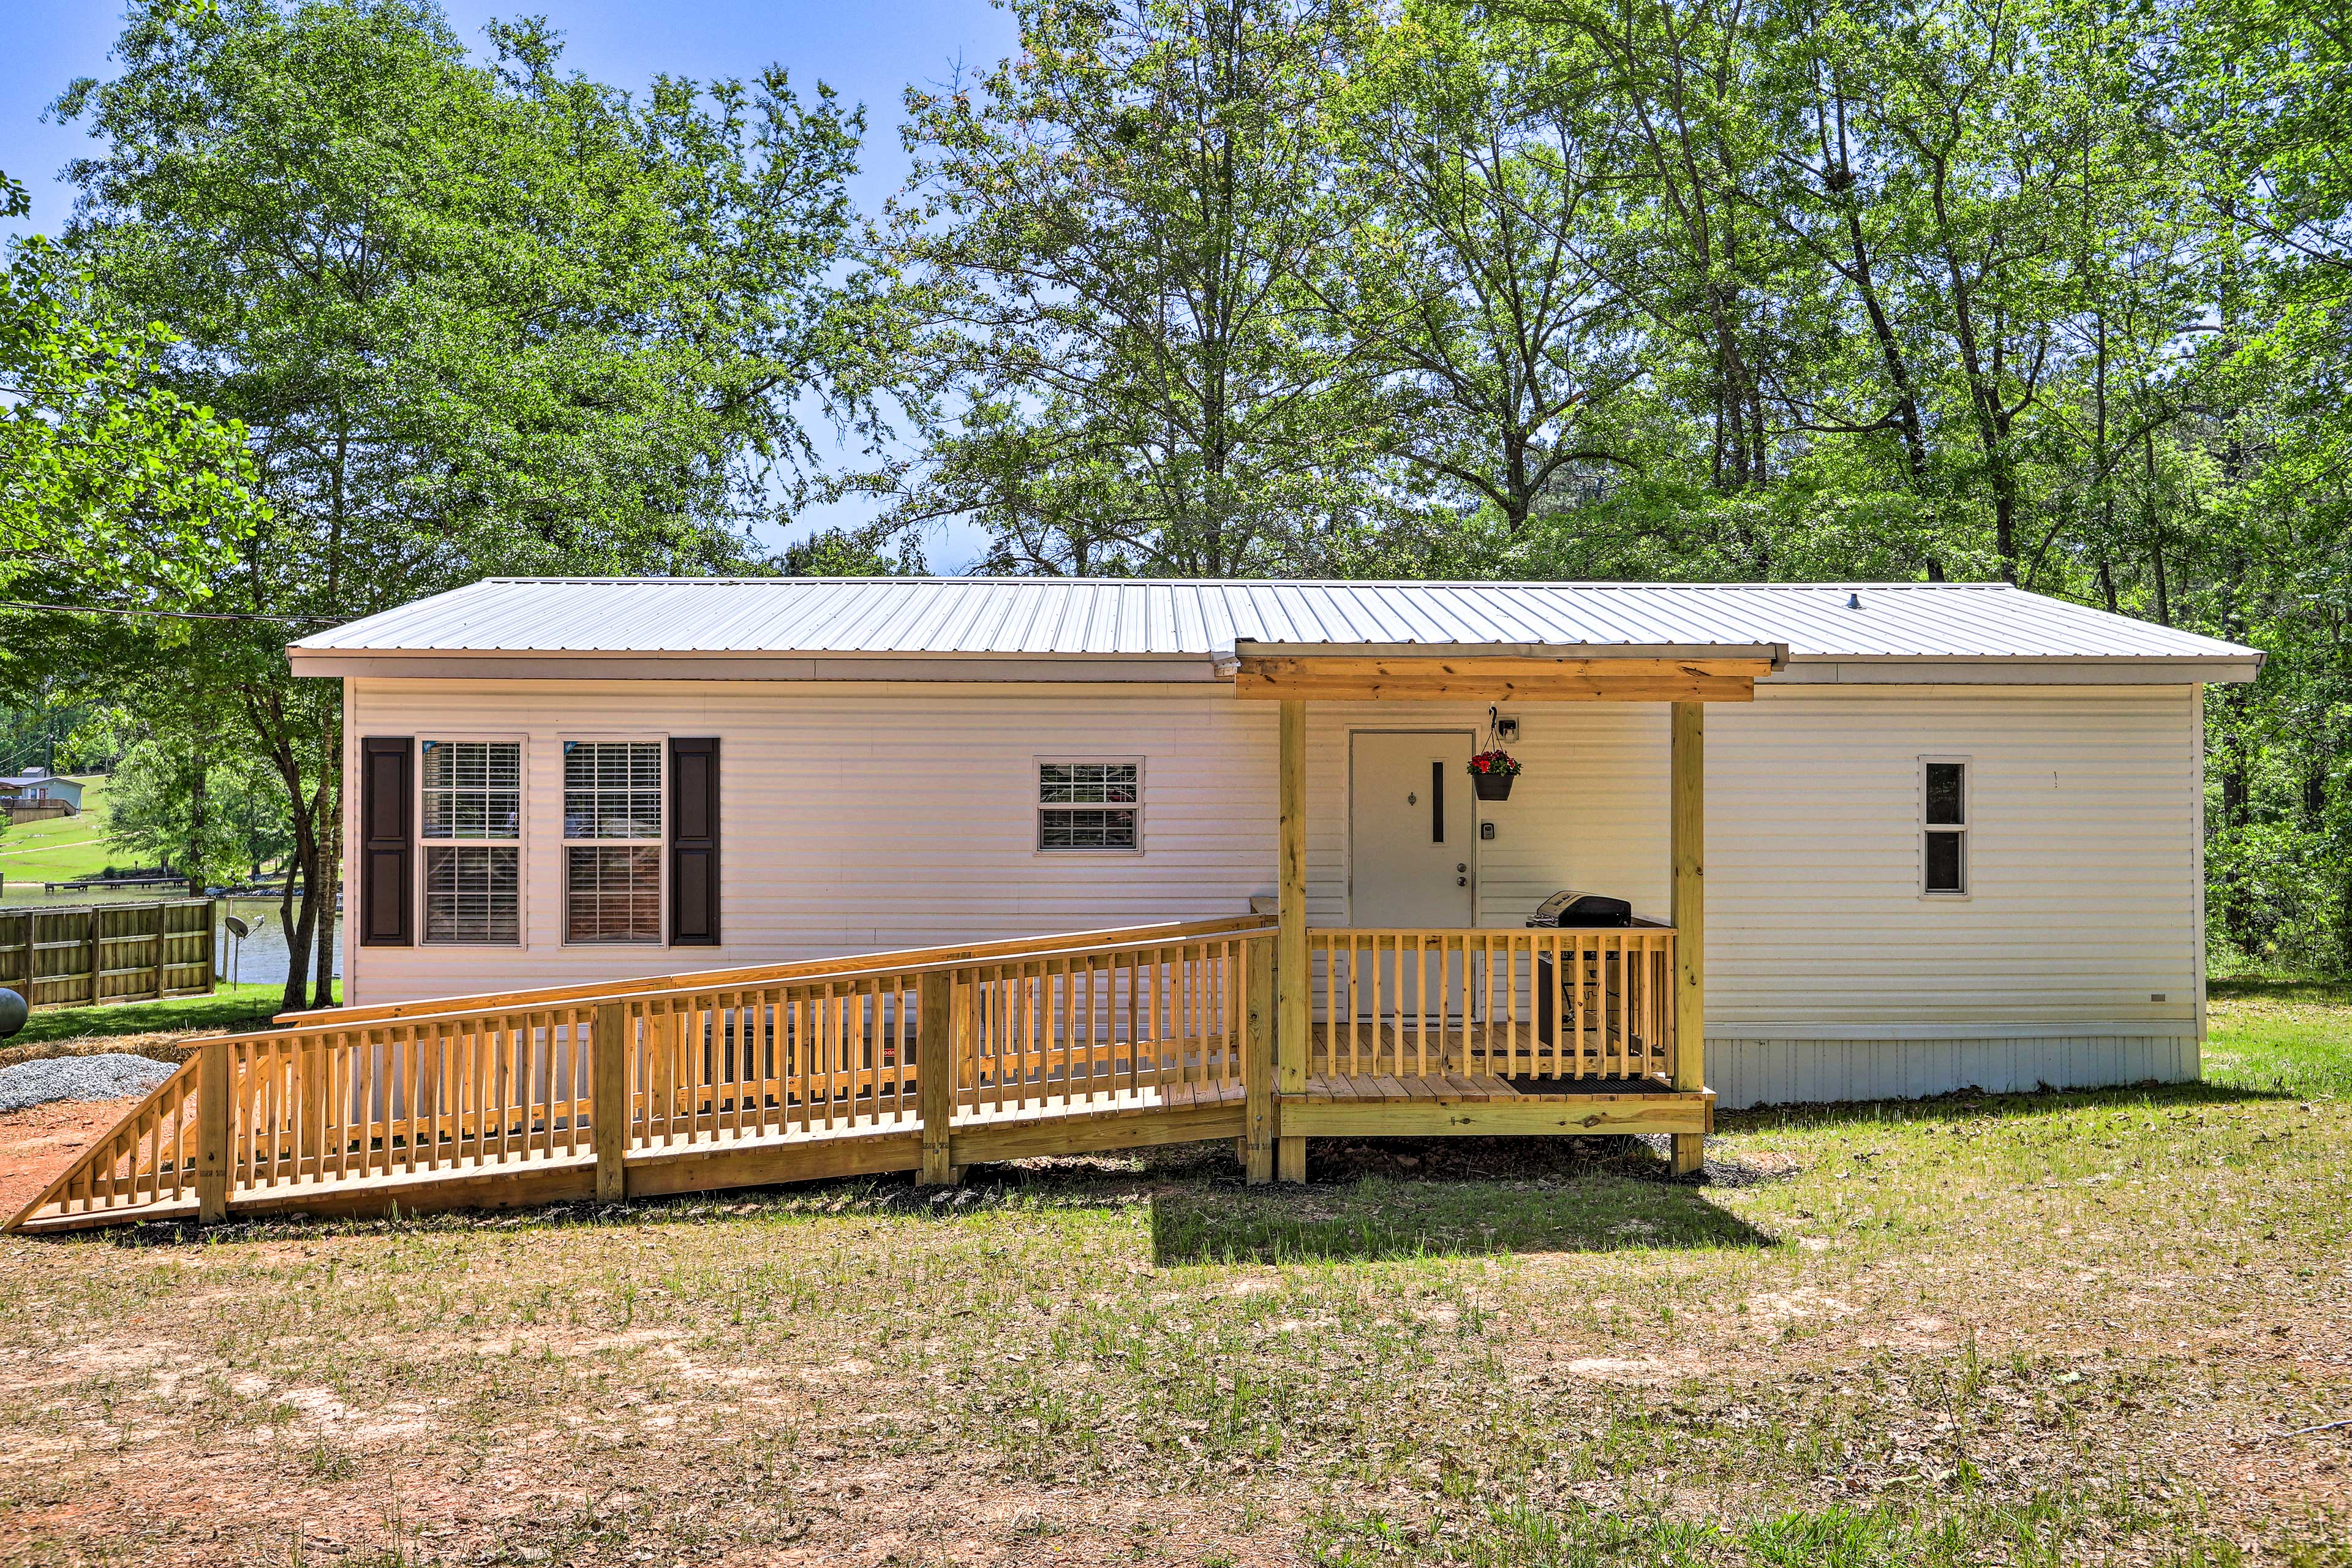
<point>1042,619</point>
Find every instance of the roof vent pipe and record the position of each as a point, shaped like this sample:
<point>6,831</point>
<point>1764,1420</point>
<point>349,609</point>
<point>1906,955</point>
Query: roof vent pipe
<point>1853,601</point>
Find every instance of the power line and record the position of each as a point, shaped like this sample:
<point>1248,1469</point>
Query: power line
<point>166,614</point>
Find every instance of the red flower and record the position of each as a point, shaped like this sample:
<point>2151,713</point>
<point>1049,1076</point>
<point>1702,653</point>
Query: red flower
<point>1497,763</point>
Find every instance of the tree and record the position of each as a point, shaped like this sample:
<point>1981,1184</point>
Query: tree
<point>104,475</point>
<point>474,318</point>
<point>1121,368</point>
<point>216,819</point>
<point>1475,281</point>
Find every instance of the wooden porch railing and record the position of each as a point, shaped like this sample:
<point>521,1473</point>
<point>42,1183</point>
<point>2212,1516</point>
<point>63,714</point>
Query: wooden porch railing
<point>1054,1025</point>
<point>1538,1003</point>
<point>761,974</point>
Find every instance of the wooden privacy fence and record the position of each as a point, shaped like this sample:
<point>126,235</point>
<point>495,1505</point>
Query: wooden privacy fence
<point>108,952</point>
<point>313,1110</point>
<point>1539,1004</point>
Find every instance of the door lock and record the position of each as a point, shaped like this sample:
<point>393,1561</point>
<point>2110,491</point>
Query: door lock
<point>1459,880</point>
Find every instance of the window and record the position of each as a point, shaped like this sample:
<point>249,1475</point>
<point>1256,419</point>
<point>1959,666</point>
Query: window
<point>613,840</point>
<point>473,889</point>
<point>1090,806</point>
<point>1945,822</point>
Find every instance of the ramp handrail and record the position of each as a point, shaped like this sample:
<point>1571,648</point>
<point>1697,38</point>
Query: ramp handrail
<point>762,973</point>
<point>1064,1024</point>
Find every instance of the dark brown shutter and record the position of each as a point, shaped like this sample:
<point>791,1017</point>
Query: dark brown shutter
<point>387,850</point>
<point>694,843</point>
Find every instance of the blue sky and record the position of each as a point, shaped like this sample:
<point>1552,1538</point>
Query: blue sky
<point>868,52</point>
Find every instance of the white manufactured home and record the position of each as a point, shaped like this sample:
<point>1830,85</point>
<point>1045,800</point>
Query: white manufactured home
<point>659,885</point>
<point>593,774</point>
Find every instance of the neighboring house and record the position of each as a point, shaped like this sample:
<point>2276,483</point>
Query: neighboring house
<point>1951,834</point>
<point>40,785</point>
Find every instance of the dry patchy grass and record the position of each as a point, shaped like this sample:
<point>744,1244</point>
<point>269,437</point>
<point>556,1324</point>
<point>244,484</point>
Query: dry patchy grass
<point>2059,1329</point>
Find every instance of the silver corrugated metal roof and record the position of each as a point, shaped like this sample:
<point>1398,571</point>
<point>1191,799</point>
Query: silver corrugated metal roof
<point>1099,619</point>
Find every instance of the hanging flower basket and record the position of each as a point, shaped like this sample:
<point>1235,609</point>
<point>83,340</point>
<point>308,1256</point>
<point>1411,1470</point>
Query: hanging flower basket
<point>1492,775</point>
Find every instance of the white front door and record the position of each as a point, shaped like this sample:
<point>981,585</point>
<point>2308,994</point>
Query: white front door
<point>1410,828</point>
<point>1411,825</point>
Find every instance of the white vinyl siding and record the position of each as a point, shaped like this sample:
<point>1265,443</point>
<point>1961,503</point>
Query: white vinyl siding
<point>865,815</point>
<point>2082,862</point>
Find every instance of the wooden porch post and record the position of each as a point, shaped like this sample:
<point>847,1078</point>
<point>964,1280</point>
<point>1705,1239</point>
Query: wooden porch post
<point>936,1056</point>
<point>1290,957</point>
<point>212,1132</point>
<point>1257,1065</point>
<point>608,1082</point>
<point>1688,791</point>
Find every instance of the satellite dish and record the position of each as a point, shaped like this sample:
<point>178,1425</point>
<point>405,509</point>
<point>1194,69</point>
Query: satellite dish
<point>236,928</point>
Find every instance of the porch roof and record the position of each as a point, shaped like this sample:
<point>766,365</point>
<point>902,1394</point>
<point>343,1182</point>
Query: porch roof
<point>1070,629</point>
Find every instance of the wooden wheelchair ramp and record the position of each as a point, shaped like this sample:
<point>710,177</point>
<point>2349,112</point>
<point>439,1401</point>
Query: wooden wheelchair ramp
<point>926,1061</point>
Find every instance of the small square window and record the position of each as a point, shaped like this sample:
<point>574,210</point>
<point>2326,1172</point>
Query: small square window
<point>472,789</point>
<point>1090,806</point>
<point>473,895</point>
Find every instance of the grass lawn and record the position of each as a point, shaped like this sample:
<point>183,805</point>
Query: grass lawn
<point>2088,1328</point>
<point>61,848</point>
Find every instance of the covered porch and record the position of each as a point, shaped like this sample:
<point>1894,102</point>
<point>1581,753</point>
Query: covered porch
<point>1482,1029</point>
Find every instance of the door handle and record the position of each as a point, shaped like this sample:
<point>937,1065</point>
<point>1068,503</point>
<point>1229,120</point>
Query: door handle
<point>1461,882</point>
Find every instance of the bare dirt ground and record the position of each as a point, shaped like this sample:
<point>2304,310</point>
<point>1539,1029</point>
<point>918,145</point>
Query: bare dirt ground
<point>2110,1327</point>
<point>35,1145</point>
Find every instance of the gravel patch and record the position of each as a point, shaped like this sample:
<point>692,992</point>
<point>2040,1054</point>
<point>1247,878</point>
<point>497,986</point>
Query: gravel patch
<point>109,1075</point>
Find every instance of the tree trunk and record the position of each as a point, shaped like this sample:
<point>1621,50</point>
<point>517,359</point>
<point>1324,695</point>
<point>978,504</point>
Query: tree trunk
<point>327,883</point>
<point>195,862</point>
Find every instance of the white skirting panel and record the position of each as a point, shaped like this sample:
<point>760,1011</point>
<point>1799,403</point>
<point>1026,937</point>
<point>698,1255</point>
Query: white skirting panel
<point>1794,1072</point>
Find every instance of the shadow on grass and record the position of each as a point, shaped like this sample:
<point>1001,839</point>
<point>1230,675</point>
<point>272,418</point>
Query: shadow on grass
<point>1975,1104</point>
<point>2320,992</point>
<point>1380,1219</point>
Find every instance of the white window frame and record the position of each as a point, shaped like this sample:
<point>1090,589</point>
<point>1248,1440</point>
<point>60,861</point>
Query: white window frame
<point>521,842</point>
<point>1965,830</point>
<point>563,843</point>
<point>1038,808</point>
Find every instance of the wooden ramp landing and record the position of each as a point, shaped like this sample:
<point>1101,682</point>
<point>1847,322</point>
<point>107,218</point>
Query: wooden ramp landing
<point>926,1061</point>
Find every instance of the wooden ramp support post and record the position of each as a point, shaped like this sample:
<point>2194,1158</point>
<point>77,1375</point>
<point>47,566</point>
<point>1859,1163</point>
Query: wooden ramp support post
<point>212,1132</point>
<point>1688,789</point>
<point>608,1091</point>
<point>935,1075</point>
<point>1290,978</point>
<point>1261,1106</point>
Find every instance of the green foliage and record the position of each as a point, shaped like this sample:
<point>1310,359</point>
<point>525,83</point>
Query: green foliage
<point>2053,292</point>
<point>472,318</point>
<point>216,819</point>
<point>1118,370</point>
<point>104,476</point>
